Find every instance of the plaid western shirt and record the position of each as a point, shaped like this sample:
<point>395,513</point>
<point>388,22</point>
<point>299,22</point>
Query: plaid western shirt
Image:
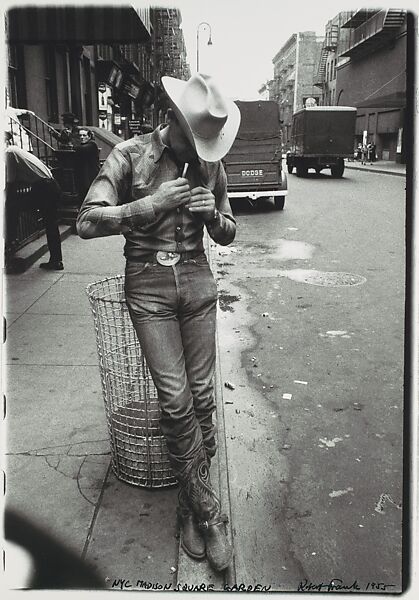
<point>120,200</point>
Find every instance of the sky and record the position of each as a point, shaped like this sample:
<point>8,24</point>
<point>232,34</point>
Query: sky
<point>247,35</point>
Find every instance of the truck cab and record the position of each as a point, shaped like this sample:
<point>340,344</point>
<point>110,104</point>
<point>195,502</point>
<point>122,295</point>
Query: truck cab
<point>321,137</point>
<point>254,162</point>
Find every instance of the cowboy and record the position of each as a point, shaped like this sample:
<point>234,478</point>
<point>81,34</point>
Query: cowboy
<point>160,190</point>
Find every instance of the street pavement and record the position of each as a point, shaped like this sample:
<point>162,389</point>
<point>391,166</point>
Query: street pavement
<point>312,320</point>
<point>59,476</point>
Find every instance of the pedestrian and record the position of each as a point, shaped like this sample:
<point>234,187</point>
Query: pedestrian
<point>369,152</point>
<point>373,152</point>
<point>87,163</point>
<point>23,169</point>
<point>363,154</point>
<point>161,191</point>
<point>359,152</point>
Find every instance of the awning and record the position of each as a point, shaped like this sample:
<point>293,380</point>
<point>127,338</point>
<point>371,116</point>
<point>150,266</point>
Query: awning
<point>77,25</point>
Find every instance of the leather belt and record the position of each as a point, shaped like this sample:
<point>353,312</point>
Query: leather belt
<point>165,258</point>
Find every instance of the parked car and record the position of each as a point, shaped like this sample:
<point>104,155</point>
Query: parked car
<point>254,163</point>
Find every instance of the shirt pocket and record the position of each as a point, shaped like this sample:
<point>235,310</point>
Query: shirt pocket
<point>141,189</point>
<point>144,180</point>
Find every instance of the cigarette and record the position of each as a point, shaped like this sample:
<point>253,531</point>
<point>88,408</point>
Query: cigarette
<point>185,168</point>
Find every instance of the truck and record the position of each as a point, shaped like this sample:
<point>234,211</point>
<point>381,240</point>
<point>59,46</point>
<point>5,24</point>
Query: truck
<point>321,137</point>
<point>254,162</point>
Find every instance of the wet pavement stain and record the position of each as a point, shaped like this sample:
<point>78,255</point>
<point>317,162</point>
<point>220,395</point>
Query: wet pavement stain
<point>284,250</point>
<point>293,250</point>
<point>323,278</point>
<point>225,301</point>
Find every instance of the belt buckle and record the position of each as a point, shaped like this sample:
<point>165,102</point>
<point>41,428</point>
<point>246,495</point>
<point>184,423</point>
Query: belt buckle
<point>167,259</point>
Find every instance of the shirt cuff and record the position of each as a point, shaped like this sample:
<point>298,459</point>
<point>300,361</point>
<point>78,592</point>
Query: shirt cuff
<point>140,212</point>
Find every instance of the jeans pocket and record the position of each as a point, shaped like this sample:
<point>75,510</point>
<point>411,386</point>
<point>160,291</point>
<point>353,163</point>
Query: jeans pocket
<point>200,261</point>
<point>134,269</point>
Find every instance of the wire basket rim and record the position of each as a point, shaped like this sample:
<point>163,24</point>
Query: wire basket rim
<point>93,292</point>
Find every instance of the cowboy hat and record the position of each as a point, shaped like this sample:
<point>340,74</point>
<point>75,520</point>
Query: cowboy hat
<point>209,119</point>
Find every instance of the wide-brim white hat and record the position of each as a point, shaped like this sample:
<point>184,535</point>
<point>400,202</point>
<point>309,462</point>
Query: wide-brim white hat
<point>209,119</point>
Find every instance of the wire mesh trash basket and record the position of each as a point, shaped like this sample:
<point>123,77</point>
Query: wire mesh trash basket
<point>138,448</point>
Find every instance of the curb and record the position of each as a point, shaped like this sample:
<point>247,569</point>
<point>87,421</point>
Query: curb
<point>224,487</point>
<point>381,171</point>
<point>189,571</point>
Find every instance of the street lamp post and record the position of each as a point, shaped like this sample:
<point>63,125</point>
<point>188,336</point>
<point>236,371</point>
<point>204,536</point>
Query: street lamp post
<point>209,43</point>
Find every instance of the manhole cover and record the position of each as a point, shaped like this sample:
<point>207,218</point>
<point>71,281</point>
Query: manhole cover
<point>325,278</point>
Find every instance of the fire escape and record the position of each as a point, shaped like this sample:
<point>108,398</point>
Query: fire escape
<point>329,46</point>
<point>372,29</point>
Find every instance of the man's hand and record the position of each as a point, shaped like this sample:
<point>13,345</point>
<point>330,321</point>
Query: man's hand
<point>171,194</point>
<point>202,203</point>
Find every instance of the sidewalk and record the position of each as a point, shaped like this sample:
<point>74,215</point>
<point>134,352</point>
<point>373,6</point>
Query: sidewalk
<point>58,453</point>
<point>380,166</point>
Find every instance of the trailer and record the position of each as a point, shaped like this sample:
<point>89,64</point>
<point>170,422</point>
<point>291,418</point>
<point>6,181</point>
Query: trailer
<point>254,162</point>
<point>321,137</point>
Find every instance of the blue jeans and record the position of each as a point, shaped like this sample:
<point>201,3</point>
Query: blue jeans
<point>173,310</point>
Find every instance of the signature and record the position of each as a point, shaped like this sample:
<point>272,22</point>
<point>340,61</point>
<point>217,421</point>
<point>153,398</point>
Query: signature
<point>336,585</point>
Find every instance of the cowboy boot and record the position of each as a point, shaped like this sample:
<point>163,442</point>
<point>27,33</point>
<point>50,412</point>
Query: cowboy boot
<point>206,506</point>
<point>191,538</point>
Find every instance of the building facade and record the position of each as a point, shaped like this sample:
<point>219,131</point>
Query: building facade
<point>335,41</point>
<point>295,66</point>
<point>98,67</point>
<point>169,53</point>
<point>102,64</point>
<point>371,75</point>
<point>263,91</point>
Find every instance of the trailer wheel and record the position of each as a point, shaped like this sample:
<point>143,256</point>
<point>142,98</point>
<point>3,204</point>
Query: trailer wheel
<point>290,168</point>
<point>279,202</point>
<point>338,169</point>
<point>301,171</point>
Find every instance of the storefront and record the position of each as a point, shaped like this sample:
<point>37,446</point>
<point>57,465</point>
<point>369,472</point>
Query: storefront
<point>384,128</point>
